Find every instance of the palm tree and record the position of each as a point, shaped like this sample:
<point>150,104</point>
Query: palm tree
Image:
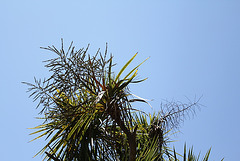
<point>88,111</point>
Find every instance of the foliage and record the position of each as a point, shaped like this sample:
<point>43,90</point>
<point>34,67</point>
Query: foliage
<point>88,111</point>
<point>190,156</point>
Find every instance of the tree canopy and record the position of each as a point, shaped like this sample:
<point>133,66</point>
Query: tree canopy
<point>88,111</point>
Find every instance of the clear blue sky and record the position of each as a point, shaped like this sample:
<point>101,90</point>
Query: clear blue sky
<point>194,48</point>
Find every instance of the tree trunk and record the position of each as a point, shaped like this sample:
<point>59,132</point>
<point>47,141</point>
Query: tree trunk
<point>131,136</point>
<point>132,146</point>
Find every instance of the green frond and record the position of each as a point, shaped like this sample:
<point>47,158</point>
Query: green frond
<point>124,67</point>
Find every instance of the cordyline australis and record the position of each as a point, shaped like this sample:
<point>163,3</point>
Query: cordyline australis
<point>88,111</point>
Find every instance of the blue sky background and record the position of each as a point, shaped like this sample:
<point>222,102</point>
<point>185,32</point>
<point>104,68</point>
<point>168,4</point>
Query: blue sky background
<point>194,49</point>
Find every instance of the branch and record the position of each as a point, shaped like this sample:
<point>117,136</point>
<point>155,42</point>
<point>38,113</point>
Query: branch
<point>52,157</point>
